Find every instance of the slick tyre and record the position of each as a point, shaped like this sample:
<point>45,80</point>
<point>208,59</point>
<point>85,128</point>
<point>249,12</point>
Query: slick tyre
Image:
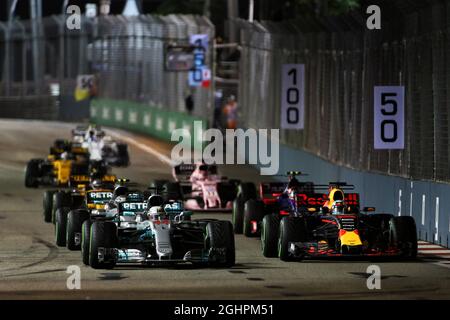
<point>60,226</point>
<point>103,235</point>
<point>47,204</point>
<point>85,241</point>
<point>269,235</point>
<point>403,233</point>
<point>75,220</point>
<point>219,235</point>
<point>60,200</point>
<point>32,173</point>
<point>246,191</point>
<point>292,229</point>
<point>253,211</point>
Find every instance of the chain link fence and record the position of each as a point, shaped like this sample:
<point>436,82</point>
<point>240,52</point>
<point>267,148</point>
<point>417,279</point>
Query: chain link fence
<point>343,62</point>
<point>125,53</point>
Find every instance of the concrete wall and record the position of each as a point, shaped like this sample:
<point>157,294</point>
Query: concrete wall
<point>145,119</point>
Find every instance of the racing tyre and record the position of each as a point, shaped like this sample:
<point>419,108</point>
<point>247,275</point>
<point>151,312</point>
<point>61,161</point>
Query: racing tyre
<point>173,191</point>
<point>292,229</point>
<point>253,210</point>
<point>103,235</point>
<point>60,226</point>
<point>85,240</point>
<point>32,173</point>
<point>124,157</point>
<point>48,205</point>
<point>238,217</point>
<point>269,235</point>
<point>219,235</point>
<point>403,234</point>
<point>246,191</point>
<point>227,192</point>
<point>75,220</point>
<point>60,200</point>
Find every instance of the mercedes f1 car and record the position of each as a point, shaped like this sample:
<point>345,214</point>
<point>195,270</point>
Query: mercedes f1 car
<point>153,231</point>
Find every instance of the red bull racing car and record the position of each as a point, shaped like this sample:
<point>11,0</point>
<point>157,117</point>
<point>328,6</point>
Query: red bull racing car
<point>332,225</point>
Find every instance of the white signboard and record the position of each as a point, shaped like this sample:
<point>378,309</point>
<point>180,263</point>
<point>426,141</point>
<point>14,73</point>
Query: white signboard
<point>389,117</point>
<point>293,96</point>
<point>91,10</point>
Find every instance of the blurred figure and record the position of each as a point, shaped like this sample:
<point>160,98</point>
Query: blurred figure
<point>189,103</point>
<point>230,110</point>
<point>217,121</point>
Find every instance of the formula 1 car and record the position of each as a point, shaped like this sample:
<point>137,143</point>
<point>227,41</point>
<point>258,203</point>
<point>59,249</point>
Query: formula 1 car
<point>249,210</point>
<point>104,147</point>
<point>93,208</point>
<point>56,203</point>
<point>156,232</point>
<point>201,187</point>
<point>335,229</point>
<point>63,161</point>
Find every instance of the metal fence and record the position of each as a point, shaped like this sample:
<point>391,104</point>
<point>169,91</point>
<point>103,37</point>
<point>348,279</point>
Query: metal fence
<point>343,62</point>
<point>125,53</point>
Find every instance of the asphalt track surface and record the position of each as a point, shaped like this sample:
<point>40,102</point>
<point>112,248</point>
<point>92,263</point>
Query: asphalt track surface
<point>32,267</point>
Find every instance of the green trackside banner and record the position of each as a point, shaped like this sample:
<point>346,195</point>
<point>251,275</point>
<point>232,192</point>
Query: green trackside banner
<point>145,119</point>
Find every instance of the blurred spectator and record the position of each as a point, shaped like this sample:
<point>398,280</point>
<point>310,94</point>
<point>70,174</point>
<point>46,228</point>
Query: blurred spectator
<point>189,103</point>
<point>230,110</point>
<point>218,100</point>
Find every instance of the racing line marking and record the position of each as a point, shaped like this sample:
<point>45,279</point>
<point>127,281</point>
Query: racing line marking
<point>163,158</point>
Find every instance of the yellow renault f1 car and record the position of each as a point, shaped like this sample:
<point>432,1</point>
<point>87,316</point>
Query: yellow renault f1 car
<point>65,199</point>
<point>69,224</point>
<point>63,163</point>
<point>337,228</point>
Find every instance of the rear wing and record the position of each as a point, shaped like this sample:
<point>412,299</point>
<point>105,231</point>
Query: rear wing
<point>183,172</point>
<point>318,200</point>
<point>270,190</point>
<point>79,179</point>
<point>98,197</point>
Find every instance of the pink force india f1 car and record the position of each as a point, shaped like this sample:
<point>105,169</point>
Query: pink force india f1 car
<point>200,186</point>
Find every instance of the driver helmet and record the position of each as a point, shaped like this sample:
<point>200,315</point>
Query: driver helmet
<point>155,212</point>
<point>203,170</point>
<point>120,191</point>
<point>338,207</point>
<point>64,156</point>
<point>97,184</point>
<point>293,183</point>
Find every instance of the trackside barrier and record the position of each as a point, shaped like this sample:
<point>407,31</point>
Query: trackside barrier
<point>426,201</point>
<point>144,119</point>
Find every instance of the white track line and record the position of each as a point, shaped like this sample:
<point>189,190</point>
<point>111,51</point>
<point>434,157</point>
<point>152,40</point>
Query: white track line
<point>161,157</point>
